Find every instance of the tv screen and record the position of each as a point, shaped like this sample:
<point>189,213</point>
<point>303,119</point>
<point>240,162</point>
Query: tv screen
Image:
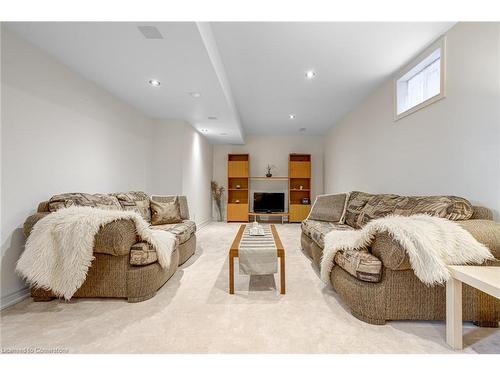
<point>269,202</point>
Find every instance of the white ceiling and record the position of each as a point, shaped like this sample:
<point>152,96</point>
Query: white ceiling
<point>119,58</point>
<point>266,65</point>
<point>249,74</point>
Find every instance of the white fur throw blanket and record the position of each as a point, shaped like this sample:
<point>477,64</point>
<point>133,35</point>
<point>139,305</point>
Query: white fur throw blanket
<point>60,247</point>
<point>431,244</point>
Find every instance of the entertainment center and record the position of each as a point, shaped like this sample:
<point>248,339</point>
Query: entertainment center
<point>268,204</point>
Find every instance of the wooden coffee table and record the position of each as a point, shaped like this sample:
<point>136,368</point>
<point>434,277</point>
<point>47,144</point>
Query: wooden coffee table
<point>486,279</point>
<point>233,253</point>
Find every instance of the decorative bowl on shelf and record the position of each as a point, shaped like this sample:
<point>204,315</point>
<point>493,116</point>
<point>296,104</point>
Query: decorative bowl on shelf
<point>237,201</point>
<point>238,186</point>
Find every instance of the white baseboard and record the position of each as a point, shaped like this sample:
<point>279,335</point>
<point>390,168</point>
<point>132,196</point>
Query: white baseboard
<point>204,223</point>
<point>13,298</point>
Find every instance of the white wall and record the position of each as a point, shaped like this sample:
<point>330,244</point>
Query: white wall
<point>197,161</point>
<point>182,164</point>
<point>167,156</point>
<point>272,150</point>
<point>449,147</point>
<point>62,133</point>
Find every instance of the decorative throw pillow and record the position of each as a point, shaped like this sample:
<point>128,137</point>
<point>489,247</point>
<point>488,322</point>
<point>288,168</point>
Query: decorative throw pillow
<point>137,201</point>
<point>104,201</point>
<point>355,204</point>
<point>328,207</point>
<point>165,212</point>
<point>182,203</point>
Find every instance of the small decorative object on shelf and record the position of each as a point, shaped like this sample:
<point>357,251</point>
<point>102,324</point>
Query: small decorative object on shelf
<point>238,186</point>
<point>305,201</point>
<point>269,168</point>
<point>237,201</point>
<point>301,187</point>
<point>217,193</point>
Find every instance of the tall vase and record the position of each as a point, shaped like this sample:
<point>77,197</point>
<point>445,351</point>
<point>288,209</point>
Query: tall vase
<point>219,209</point>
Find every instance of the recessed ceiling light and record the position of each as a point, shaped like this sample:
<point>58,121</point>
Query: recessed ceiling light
<point>310,74</point>
<point>291,116</point>
<point>195,94</point>
<point>302,130</point>
<point>223,134</point>
<point>154,82</point>
<point>212,118</point>
<point>204,130</point>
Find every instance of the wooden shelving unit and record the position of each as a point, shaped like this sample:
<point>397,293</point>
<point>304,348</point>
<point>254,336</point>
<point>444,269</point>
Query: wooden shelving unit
<point>238,167</point>
<point>268,178</point>
<point>299,186</point>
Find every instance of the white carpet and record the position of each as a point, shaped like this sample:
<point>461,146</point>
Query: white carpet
<point>193,313</point>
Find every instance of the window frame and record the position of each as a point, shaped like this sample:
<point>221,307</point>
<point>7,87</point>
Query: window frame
<point>439,43</point>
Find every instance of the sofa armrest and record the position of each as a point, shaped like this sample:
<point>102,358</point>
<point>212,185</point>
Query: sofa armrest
<point>115,238</point>
<point>31,221</point>
<point>394,257</point>
<point>390,252</point>
<point>486,232</point>
<point>481,213</point>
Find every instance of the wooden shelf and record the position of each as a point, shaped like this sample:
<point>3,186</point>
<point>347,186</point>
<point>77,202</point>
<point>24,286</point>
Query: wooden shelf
<point>269,178</point>
<point>269,214</point>
<point>299,171</point>
<point>238,166</point>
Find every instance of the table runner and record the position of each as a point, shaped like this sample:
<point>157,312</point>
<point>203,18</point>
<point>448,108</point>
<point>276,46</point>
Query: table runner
<point>258,255</point>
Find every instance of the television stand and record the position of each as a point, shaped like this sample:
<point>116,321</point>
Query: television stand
<point>275,214</point>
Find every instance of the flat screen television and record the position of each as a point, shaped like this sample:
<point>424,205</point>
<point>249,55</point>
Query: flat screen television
<point>269,202</point>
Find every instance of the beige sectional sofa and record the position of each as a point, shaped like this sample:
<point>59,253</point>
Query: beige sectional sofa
<point>378,284</point>
<point>124,266</point>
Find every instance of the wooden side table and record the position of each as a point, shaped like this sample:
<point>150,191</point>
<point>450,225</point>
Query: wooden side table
<point>233,253</point>
<point>486,279</point>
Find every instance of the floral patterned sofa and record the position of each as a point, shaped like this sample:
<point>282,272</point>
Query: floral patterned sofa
<point>124,266</point>
<point>378,283</point>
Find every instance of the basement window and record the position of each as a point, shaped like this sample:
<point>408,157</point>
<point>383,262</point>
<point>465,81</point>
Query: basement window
<point>421,83</point>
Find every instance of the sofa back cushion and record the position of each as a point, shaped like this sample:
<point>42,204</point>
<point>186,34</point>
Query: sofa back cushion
<point>137,201</point>
<point>165,212</point>
<point>104,201</point>
<point>363,207</point>
<point>356,202</point>
<point>328,207</point>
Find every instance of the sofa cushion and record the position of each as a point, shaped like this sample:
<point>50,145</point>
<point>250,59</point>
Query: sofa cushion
<point>357,201</point>
<point>183,231</point>
<point>360,264</point>
<point>363,207</point>
<point>328,207</point>
<point>103,201</point>
<point>165,212</point>
<point>317,230</point>
<point>182,203</point>
<point>142,253</point>
<point>137,201</point>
